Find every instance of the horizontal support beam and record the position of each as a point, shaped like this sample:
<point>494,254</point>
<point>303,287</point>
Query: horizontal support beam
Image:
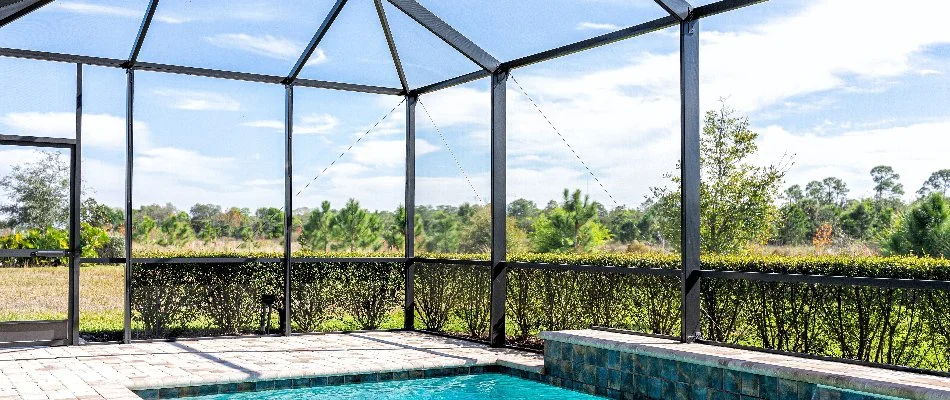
<point>424,260</point>
<point>448,34</point>
<point>459,80</point>
<point>349,87</point>
<point>607,38</point>
<point>102,260</point>
<point>234,260</point>
<point>356,260</point>
<point>34,141</point>
<point>31,253</point>
<point>206,260</point>
<point>597,268</point>
<point>59,57</point>
<point>886,283</point>
<point>195,71</point>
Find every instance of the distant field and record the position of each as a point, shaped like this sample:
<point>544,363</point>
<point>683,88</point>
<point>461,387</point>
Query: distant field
<point>41,293</point>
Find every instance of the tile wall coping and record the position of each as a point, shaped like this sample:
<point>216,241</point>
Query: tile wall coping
<point>834,374</point>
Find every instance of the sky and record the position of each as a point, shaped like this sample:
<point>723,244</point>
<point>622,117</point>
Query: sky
<point>829,92</point>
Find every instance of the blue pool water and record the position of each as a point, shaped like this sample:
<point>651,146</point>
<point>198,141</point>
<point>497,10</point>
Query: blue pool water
<point>464,387</point>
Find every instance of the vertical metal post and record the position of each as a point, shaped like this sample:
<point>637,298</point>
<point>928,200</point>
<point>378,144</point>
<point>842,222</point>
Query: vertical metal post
<point>499,272</point>
<point>75,233</point>
<point>288,201</point>
<point>409,321</point>
<point>689,92</point>
<point>129,115</point>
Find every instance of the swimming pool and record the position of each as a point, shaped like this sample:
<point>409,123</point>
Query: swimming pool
<point>462,387</point>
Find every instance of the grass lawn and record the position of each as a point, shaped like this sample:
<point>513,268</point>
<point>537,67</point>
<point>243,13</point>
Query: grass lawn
<point>42,293</point>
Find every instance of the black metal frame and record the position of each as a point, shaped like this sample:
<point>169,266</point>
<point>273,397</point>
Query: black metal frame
<point>73,252</point>
<point>681,13</point>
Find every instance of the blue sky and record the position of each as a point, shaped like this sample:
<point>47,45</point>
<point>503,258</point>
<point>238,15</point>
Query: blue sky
<point>831,95</point>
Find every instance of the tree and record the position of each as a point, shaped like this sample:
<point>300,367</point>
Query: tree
<point>143,228</point>
<point>395,233</point>
<point>794,227</point>
<point>176,230</point>
<point>571,226</point>
<point>828,191</point>
<point>100,215</point>
<point>355,229</point>
<point>316,234</point>
<point>442,231</point>
<point>269,222</point>
<point>736,198</point>
<point>524,212</point>
<point>938,182</point>
<point>623,224</point>
<point>925,229</point>
<point>887,184</point>
<point>205,216</point>
<point>39,192</point>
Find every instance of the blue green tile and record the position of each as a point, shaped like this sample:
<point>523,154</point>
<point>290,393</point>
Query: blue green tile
<point>715,378</point>
<point>654,389</point>
<point>750,384</point>
<point>602,376</point>
<point>699,376</point>
<point>668,370</point>
<point>614,379</point>
<point>768,387</point>
<point>613,359</point>
<point>627,382</point>
<point>826,393</point>
<point>651,366</point>
<point>629,363</point>
<point>668,389</point>
<point>698,393</point>
<point>787,390</point>
<point>732,381</point>
<point>681,391</point>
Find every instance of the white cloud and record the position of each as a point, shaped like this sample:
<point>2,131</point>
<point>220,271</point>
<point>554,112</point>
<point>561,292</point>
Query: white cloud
<point>386,154</point>
<point>79,7</point>
<point>318,57</point>
<point>271,46</point>
<point>194,100</point>
<point>99,130</point>
<point>266,123</point>
<point>185,166</point>
<point>313,124</point>
<point>914,151</point>
<point>594,26</point>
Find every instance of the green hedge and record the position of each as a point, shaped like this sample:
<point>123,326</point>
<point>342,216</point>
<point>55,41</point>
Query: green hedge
<point>896,326</point>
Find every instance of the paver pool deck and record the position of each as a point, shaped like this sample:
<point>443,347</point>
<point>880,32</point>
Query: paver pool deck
<point>113,371</point>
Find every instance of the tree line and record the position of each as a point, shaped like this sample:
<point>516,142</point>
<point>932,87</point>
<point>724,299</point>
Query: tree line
<point>742,208</point>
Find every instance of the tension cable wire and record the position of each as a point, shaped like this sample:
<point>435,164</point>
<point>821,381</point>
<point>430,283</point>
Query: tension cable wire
<point>571,148</point>
<point>360,138</point>
<point>446,144</point>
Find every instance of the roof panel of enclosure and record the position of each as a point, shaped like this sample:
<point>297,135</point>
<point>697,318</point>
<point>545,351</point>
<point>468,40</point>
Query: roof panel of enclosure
<point>101,28</point>
<point>235,35</point>
<point>512,29</point>
<point>276,43</point>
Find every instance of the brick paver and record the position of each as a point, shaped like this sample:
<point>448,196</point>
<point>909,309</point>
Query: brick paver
<point>110,371</point>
